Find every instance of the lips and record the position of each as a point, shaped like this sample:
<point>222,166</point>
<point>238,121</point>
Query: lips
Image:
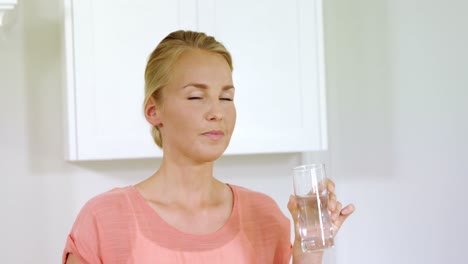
<point>214,134</point>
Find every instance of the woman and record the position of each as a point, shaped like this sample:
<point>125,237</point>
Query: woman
<point>182,214</point>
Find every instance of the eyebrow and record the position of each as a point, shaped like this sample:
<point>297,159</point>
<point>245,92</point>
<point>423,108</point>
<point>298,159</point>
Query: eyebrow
<point>204,86</point>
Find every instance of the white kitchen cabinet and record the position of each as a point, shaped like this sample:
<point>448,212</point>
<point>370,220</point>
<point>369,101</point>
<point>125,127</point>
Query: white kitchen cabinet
<point>5,7</point>
<point>278,72</point>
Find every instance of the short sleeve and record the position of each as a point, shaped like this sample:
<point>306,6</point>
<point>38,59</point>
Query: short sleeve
<point>283,250</point>
<point>83,240</point>
<point>266,227</point>
<point>284,253</point>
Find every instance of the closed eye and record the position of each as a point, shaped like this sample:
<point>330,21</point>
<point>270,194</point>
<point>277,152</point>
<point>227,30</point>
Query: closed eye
<point>194,98</point>
<point>226,99</point>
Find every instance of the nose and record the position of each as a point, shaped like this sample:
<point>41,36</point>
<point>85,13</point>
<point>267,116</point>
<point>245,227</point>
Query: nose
<point>215,112</point>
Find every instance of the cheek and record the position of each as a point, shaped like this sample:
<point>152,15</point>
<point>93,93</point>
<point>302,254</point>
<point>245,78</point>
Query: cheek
<point>232,115</point>
<point>176,117</point>
<point>180,119</point>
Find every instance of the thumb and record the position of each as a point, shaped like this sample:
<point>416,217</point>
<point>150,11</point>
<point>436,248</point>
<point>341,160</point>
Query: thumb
<point>292,207</point>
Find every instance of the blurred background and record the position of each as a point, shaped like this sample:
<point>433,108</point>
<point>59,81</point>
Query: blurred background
<point>397,81</point>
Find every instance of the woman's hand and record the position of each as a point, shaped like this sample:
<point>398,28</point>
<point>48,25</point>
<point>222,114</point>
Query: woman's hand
<point>338,213</point>
<point>338,216</point>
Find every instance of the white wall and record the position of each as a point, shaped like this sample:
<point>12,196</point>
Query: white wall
<point>397,116</point>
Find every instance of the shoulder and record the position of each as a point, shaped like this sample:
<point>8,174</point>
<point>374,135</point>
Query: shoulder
<point>105,206</point>
<point>102,222</point>
<point>258,205</point>
<point>249,195</point>
<point>103,214</point>
<point>264,224</point>
<point>116,197</point>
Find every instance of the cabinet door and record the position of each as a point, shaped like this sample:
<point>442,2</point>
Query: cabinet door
<point>5,7</point>
<point>107,46</point>
<point>276,51</point>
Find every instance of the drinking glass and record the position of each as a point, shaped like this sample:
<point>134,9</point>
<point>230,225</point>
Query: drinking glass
<point>314,224</point>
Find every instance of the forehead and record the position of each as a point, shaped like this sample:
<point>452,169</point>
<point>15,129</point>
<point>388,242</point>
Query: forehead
<point>201,67</point>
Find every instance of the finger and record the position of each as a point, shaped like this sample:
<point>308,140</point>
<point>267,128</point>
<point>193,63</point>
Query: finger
<point>337,212</point>
<point>343,215</point>
<point>348,210</point>
<point>332,202</point>
<point>330,186</point>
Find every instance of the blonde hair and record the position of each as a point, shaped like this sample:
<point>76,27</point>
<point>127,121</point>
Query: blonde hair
<point>162,59</point>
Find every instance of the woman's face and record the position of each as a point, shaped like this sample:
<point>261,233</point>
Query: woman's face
<point>197,114</point>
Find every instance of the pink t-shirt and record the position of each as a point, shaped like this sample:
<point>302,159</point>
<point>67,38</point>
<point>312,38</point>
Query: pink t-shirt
<point>119,226</point>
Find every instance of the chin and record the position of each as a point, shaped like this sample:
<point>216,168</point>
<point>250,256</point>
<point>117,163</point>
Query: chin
<point>210,157</point>
<point>210,154</point>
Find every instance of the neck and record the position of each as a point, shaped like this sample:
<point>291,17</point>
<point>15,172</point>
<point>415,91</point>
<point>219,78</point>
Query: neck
<point>187,177</point>
<point>187,183</point>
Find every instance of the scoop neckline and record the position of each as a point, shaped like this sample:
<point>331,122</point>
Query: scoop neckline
<point>183,239</point>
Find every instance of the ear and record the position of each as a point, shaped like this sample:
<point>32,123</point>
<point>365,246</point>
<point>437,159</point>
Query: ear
<point>153,113</point>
